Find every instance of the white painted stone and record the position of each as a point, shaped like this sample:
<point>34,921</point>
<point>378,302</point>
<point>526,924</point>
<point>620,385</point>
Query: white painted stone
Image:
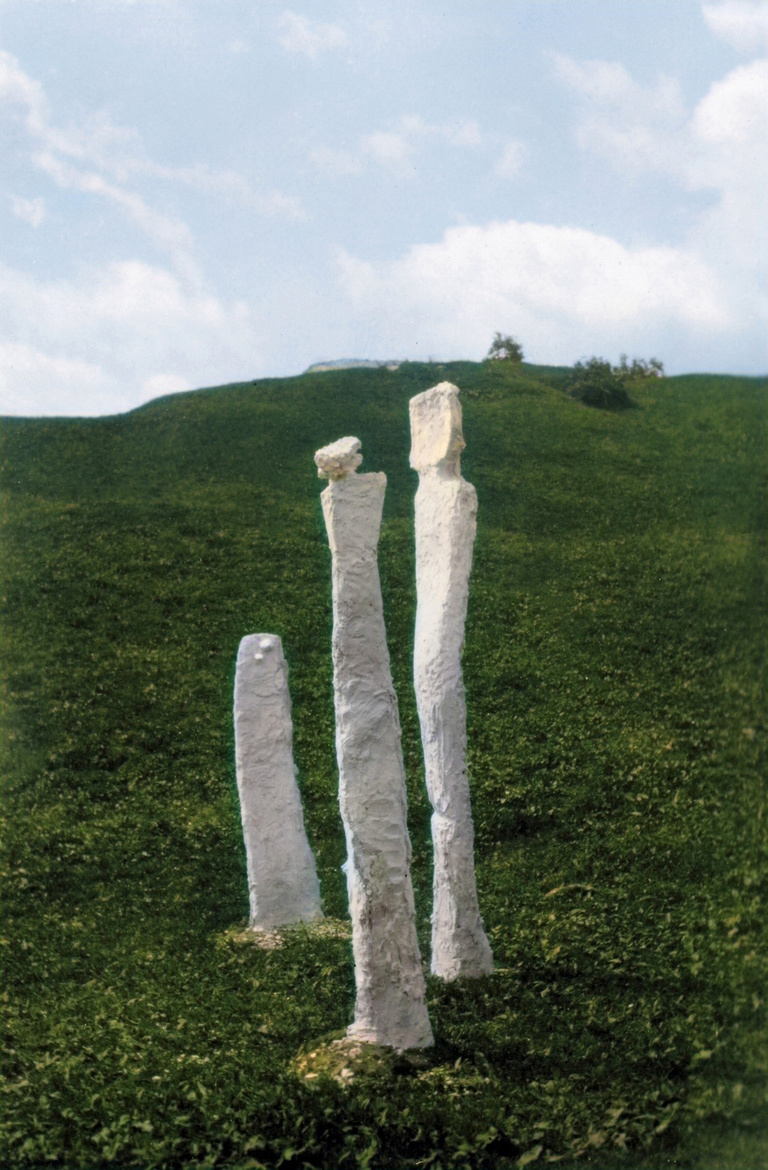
<point>282,879</point>
<point>390,1005</point>
<point>446,511</point>
<point>338,459</point>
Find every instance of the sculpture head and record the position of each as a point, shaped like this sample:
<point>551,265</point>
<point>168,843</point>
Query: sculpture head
<point>338,459</point>
<point>437,440</point>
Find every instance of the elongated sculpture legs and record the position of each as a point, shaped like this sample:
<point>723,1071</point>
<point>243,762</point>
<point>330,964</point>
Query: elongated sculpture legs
<point>282,880</point>
<point>390,1005</point>
<point>446,510</point>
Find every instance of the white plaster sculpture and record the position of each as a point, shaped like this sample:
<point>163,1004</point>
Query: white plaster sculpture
<point>446,511</point>
<point>282,880</point>
<point>390,1005</point>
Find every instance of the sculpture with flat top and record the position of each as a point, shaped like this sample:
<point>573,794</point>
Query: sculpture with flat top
<point>446,511</point>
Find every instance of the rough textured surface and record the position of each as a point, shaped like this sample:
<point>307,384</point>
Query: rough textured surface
<point>282,880</point>
<point>446,510</point>
<point>338,459</point>
<point>390,1006</point>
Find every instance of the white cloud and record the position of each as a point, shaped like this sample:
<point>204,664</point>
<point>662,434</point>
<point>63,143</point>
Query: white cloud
<point>630,124</point>
<point>742,23</point>
<point>168,233</point>
<point>567,291</point>
<point>112,338</point>
<point>509,163</point>
<point>32,211</point>
<point>16,87</point>
<point>117,152</point>
<point>718,147</point>
<point>729,129</point>
<point>97,142</point>
<point>388,148</point>
<point>229,184</point>
<point>648,128</point>
<point>37,383</point>
<point>561,289</point>
<point>734,112</point>
<point>395,148</point>
<point>310,37</point>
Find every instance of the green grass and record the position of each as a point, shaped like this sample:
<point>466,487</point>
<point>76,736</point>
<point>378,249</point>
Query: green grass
<point>614,669</point>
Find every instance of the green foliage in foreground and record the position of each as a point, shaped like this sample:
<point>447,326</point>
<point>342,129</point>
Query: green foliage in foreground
<point>614,672</point>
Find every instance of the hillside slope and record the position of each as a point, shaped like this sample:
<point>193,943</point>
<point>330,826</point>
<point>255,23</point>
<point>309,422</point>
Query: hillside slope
<point>613,666</point>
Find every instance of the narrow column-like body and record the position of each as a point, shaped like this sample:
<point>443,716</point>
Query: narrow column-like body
<point>446,511</point>
<point>282,880</point>
<point>390,1005</point>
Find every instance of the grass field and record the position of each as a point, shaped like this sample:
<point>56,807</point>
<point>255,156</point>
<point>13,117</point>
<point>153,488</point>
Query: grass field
<point>615,670</point>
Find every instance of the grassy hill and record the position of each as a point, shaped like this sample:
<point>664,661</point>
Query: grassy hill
<point>614,670</point>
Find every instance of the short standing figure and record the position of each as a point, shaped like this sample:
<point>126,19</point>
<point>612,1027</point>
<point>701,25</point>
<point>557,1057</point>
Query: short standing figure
<point>282,879</point>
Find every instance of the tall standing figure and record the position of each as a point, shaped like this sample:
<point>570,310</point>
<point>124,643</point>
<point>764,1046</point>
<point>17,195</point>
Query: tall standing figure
<point>446,522</point>
<point>390,1006</point>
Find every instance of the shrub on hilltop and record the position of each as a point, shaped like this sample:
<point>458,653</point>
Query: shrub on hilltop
<point>595,382</point>
<point>640,368</point>
<point>505,348</point>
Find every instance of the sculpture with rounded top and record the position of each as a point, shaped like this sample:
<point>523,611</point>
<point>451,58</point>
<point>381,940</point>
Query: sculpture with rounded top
<point>282,879</point>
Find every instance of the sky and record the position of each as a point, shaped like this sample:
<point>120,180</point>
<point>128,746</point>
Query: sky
<point>196,192</point>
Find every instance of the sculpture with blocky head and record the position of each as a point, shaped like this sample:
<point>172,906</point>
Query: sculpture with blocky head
<point>445,516</point>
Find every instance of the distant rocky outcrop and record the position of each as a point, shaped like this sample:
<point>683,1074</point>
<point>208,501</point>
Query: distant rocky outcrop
<point>350,364</point>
